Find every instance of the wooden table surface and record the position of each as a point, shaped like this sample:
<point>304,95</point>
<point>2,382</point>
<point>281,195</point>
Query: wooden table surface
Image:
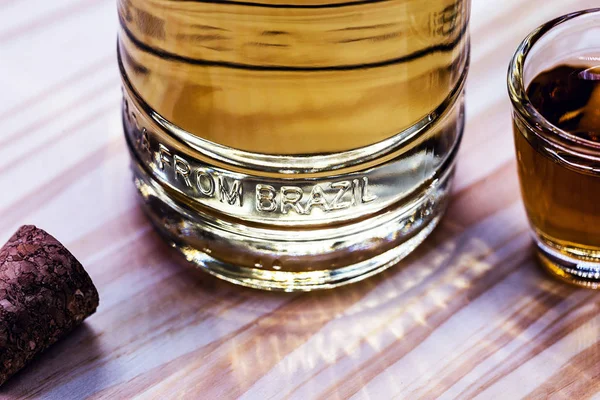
<point>468,314</point>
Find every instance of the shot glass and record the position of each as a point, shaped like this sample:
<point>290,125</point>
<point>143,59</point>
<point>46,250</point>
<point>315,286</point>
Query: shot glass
<point>559,169</point>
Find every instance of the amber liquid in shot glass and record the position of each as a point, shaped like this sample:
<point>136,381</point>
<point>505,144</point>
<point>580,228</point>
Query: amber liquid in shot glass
<point>563,203</point>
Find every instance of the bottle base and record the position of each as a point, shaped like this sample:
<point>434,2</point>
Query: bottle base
<point>581,269</point>
<point>292,261</point>
<point>303,281</point>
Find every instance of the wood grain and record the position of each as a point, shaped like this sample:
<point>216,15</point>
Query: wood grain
<point>468,315</point>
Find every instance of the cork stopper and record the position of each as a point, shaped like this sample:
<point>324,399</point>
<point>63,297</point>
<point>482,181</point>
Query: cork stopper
<point>44,294</point>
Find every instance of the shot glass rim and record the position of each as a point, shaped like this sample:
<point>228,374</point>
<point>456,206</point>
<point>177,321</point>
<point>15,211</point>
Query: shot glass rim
<point>523,107</point>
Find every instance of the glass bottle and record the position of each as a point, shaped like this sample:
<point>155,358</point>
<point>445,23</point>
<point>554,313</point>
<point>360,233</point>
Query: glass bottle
<point>294,144</point>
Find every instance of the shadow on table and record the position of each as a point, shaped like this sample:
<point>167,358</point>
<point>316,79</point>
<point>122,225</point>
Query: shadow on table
<point>70,357</point>
<point>276,343</point>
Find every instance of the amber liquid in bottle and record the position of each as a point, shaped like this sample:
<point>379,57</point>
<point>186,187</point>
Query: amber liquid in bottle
<point>563,203</point>
<point>295,76</point>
